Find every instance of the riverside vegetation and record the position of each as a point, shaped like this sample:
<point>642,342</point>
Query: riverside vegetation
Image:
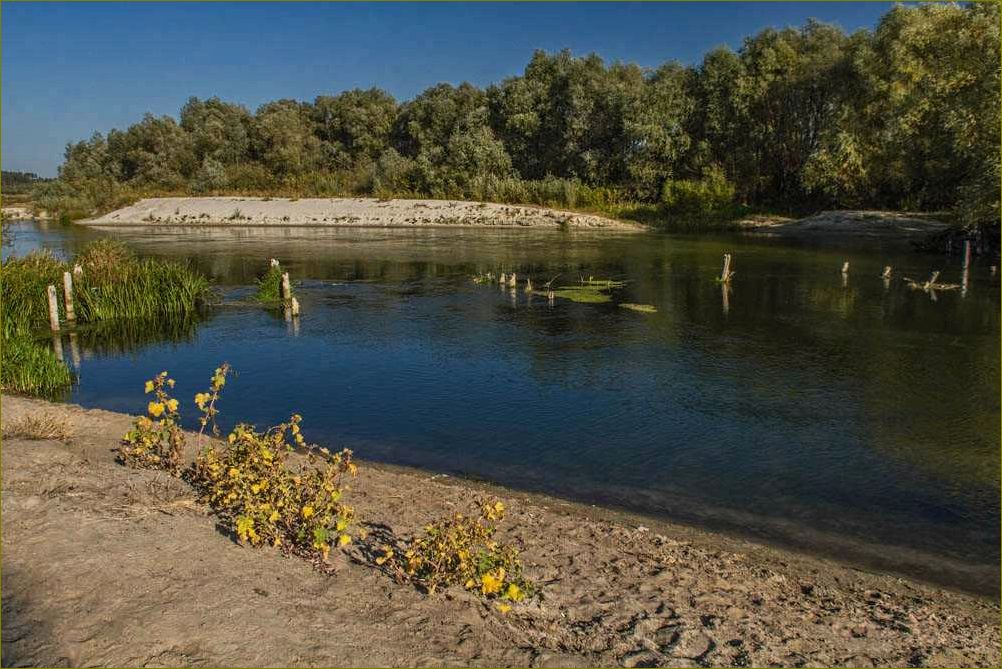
<point>902,117</point>
<point>112,287</point>
<point>262,499</point>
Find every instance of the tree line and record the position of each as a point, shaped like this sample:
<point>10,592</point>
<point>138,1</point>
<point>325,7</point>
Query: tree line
<point>905,116</point>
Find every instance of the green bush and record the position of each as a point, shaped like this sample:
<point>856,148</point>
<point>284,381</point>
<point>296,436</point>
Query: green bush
<point>28,367</point>
<point>711,196</point>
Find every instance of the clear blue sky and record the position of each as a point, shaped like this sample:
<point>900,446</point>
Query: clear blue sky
<point>70,69</point>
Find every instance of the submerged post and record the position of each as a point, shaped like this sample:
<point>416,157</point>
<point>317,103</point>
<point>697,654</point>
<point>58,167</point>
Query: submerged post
<point>887,273</point>
<point>513,280</point>
<point>68,296</point>
<point>845,267</point>
<point>57,345</point>
<point>528,285</point>
<point>286,286</point>
<point>295,307</point>
<point>53,309</point>
<point>726,274</point>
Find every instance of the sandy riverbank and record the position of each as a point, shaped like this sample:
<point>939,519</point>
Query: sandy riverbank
<point>345,212</point>
<point>104,565</point>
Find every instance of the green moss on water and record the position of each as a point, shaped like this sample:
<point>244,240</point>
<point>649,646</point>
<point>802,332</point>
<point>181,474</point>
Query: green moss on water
<point>583,294</point>
<point>642,308</point>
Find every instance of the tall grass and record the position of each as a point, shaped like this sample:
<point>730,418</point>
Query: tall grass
<point>114,287</point>
<point>30,368</point>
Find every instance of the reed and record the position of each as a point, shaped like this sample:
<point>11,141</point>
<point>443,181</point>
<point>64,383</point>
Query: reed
<point>114,286</point>
<point>30,368</point>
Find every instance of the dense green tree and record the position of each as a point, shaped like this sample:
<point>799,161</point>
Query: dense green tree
<point>282,138</point>
<point>354,126</point>
<point>219,130</point>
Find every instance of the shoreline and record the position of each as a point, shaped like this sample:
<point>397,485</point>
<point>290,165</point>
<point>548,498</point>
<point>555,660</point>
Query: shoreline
<point>614,592</point>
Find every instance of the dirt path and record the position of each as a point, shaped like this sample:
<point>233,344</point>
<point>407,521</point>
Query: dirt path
<point>346,212</point>
<point>103,565</point>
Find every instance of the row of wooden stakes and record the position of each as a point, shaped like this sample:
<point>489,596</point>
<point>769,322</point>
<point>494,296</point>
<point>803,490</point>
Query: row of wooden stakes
<point>71,316</point>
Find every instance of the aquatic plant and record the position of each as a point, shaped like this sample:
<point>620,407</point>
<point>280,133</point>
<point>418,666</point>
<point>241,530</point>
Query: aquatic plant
<point>23,283</point>
<point>146,288</point>
<point>264,501</point>
<point>28,367</point>
<point>461,550</point>
<point>642,308</point>
<point>269,286</point>
<point>156,440</point>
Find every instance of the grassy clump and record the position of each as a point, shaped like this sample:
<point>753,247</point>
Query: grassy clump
<point>269,286</point>
<point>38,427</point>
<point>31,368</point>
<point>461,550</point>
<point>23,283</point>
<point>114,285</point>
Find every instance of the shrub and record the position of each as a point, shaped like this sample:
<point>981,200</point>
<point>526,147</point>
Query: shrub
<point>156,440</point>
<point>23,288</point>
<point>250,485</point>
<point>105,260</point>
<point>462,550</point>
<point>712,195</point>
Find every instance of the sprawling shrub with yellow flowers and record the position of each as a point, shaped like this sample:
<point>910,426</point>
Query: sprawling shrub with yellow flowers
<point>156,440</point>
<point>461,549</point>
<point>252,487</point>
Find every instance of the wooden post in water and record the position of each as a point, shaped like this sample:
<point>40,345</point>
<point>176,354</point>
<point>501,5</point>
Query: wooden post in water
<point>68,296</point>
<point>528,285</point>
<point>53,309</point>
<point>994,269</point>
<point>967,253</point>
<point>967,263</point>
<point>726,274</point>
<point>887,273</point>
<point>503,279</point>
<point>845,267</point>
<point>513,280</point>
<point>549,297</point>
<point>295,307</point>
<point>286,286</point>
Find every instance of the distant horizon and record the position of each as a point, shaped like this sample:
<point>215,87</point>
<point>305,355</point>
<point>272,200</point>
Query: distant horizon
<point>151,57</point>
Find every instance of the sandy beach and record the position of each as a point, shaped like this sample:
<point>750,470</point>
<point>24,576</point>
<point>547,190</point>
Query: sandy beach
<point>105,565</point>
<point>346,212</point>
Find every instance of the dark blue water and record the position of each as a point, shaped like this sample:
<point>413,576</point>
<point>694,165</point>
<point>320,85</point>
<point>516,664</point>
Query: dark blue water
<point>857,419</point>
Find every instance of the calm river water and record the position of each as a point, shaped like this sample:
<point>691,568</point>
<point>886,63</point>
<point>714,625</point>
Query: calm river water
<point>850,418</point>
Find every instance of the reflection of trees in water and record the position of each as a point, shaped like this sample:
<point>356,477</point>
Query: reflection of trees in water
<point>129,335</point>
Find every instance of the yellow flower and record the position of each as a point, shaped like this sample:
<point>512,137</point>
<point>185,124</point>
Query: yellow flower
<point>514,593</point>
<point>504,608</point>
<point>172,404</point>
<point>201,399</point>
<point>155,409</point>
<point>343,540</point>
<point>149,387</point>
<point>490,584</point>
<point>307,511</point>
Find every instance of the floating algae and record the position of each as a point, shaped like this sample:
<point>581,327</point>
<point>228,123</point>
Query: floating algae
<point>584,294</point>
<point>642,308</point>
